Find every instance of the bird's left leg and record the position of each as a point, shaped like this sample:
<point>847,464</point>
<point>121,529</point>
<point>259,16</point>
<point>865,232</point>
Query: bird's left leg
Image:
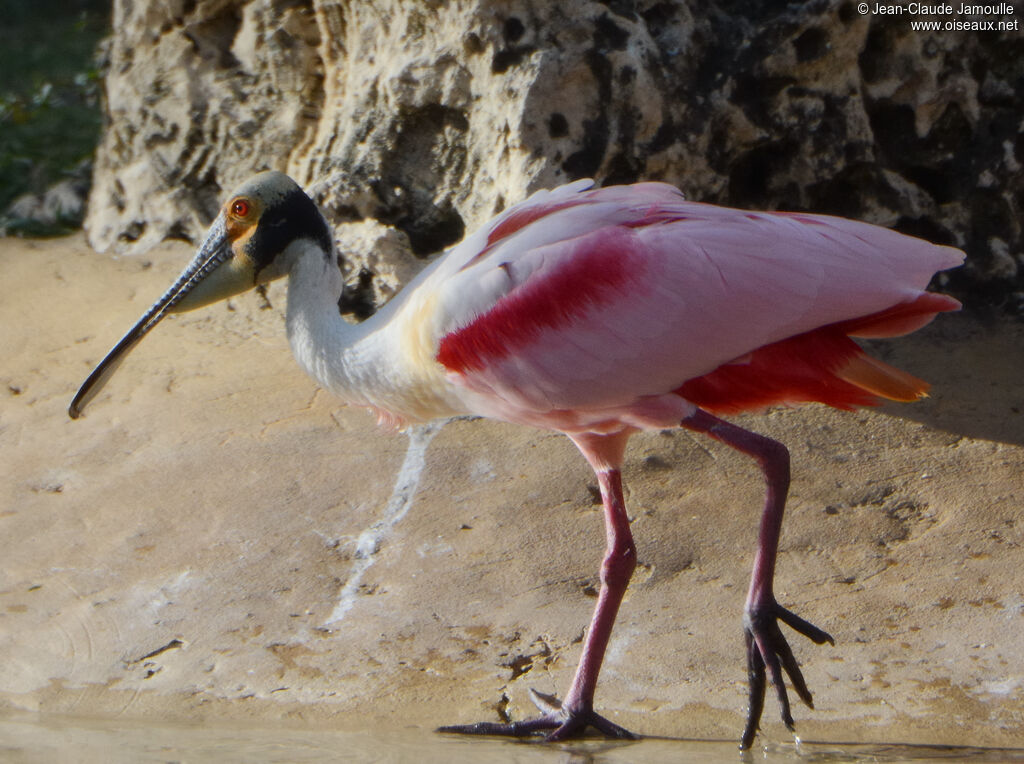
<point>766,645</point>
<point>572,716</point>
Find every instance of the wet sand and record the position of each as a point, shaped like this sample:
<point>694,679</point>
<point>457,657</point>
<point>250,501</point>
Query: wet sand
<point>188,550</point>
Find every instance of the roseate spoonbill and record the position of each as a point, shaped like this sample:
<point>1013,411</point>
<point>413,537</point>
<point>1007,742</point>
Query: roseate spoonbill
<point>596,312</point>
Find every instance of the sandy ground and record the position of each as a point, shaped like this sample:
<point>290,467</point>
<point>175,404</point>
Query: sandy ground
<point>217,539</point>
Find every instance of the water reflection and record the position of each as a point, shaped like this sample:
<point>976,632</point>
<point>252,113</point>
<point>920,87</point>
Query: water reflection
<point>32,738</point>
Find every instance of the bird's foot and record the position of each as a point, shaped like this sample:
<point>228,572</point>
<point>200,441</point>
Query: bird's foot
<point>555,723</point>
<point>766,646</point>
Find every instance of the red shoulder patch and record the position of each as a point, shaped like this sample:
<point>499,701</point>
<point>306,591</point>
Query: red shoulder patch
<point>593,275</point>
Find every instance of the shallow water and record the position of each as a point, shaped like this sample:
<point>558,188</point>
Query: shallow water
<point>32,738</point>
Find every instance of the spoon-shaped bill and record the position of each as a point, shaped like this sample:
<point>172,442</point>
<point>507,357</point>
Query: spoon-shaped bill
<point>214,252</point>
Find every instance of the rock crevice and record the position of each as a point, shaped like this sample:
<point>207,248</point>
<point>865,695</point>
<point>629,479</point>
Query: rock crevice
<point>428,117</point>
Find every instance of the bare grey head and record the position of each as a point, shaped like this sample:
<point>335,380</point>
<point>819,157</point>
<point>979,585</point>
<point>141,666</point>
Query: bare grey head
<point>249,243</point>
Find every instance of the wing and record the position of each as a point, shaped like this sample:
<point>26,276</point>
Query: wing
<point>593,299</point>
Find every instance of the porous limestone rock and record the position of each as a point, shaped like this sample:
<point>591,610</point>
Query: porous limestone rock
<point>427,116</point>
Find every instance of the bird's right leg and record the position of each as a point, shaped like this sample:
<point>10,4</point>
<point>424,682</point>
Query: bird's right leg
<point>765,643</point>
<point>571,717</point>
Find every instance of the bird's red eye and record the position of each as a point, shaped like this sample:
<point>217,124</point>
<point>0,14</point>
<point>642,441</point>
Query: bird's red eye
<point>240,208</point>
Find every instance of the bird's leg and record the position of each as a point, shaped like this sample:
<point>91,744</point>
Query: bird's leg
<point>576,713</point>
<point>765,644</point>
<point>616,570</point>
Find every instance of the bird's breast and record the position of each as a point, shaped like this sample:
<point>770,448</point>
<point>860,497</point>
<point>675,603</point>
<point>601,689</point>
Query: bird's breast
<point>395,369</point>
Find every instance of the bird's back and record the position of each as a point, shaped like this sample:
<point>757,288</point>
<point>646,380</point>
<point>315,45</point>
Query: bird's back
<point>589,299</point>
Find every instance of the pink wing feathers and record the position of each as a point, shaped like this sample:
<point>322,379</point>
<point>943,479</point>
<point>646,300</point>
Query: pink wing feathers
<point>598,298</point>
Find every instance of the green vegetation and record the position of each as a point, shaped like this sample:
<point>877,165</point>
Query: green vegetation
<point>49,93</point>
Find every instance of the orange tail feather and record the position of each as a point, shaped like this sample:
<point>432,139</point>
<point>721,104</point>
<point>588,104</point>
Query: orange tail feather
<point>881,379</point>
<point>822,365</point>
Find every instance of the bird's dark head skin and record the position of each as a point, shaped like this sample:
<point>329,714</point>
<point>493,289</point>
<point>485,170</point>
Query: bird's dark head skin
<point>249,243</point>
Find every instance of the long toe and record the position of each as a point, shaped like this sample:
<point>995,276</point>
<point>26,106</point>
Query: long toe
<point>555,723</point>
<point>769,655</point>
<point>525,728</point>
<point>576,726</point>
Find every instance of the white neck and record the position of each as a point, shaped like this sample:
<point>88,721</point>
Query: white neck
<point>321,339</point>
<point>367,364</point>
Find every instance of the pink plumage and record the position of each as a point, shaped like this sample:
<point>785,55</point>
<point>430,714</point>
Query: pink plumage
<point>602,312</point>
<point>597,313</point>
<point>615,294</point>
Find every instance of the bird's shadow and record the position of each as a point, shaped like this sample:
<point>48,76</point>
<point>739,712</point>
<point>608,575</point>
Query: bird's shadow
<point>976,369</point>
